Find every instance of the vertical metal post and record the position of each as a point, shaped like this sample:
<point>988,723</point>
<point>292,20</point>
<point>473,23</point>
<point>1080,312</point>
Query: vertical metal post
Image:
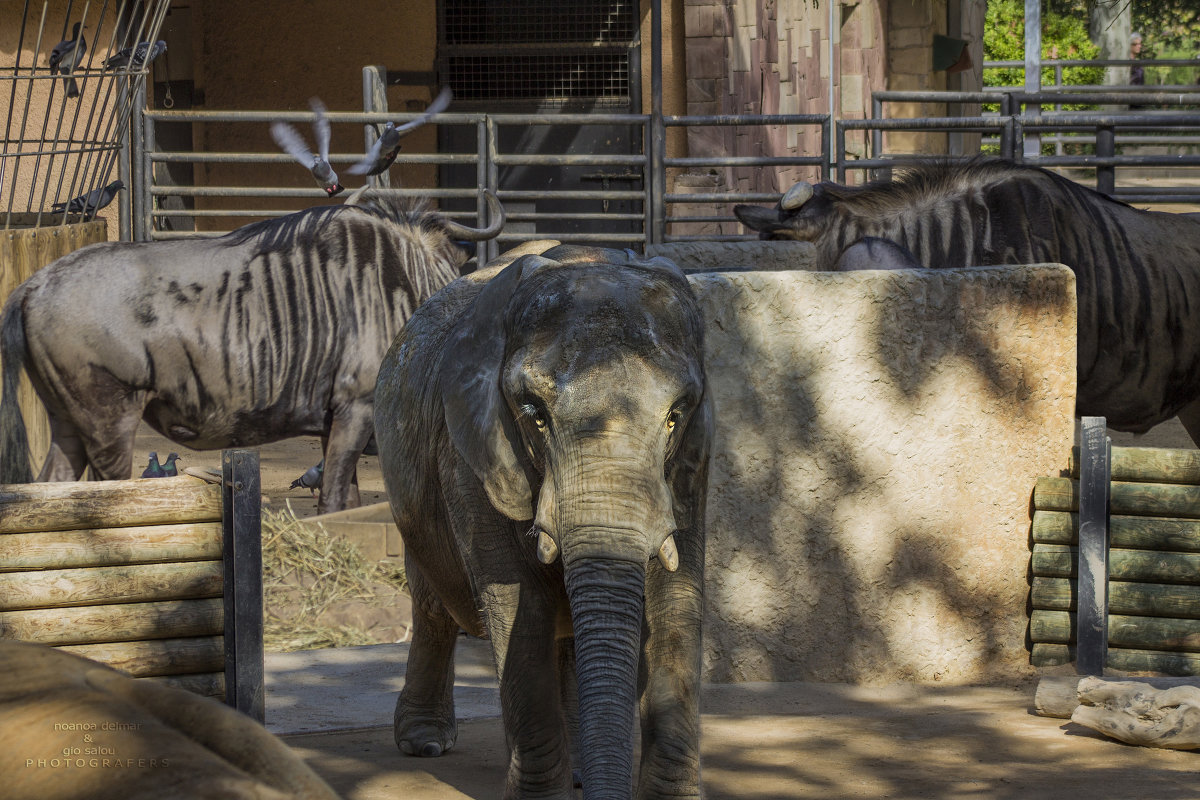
<point>241,518</point>
<point>840,151</point>
<point>488,175</point>
<point>374,99</point>
<point>1091,616</point>
<point>658,132</point>
<point>876,133</point>
<point>1033,69</point>
<point>125,173</point>
<point>1106,147</point>
<point>143,196</point>
<point>827,149</point>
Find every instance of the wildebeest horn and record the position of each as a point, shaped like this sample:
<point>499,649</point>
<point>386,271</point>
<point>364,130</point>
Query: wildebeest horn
<point>796,196</point>
<point>357,195</point>
<point>458,231</point>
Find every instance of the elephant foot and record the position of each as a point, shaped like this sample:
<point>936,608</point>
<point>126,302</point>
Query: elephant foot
<point>424,735</point>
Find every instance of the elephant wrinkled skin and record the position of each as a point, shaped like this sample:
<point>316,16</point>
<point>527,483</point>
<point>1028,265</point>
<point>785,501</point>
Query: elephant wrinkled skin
<point>543,432</point>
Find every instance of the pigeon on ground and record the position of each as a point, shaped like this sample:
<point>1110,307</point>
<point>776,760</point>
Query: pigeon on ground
<point>317,163</point>
<point>387,146</point>
<point>135,57</point>
<point>311,479</point>
<point>66,56</point>
<point>169,468</point>
<point>90,203</point>
<point>154,469</point>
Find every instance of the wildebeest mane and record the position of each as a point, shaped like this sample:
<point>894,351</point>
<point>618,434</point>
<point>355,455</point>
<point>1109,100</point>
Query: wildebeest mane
<point>919,184</point>
<point>303,227</point>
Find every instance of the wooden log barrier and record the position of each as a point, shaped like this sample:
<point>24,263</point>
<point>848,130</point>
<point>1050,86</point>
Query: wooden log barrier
<point>102,547</point>
<point>1140,633</point>
<point>1149,465</point>
<point>139,583</point>
<point>1124,597</point>
<point>1134,499</point>
<point>77,505</point>
<point>159,656</point>
<point>1059,561</point>
<point>1134,533</point>
<point>1049,654</point>
<point>1058,695</point>
<point>122,622</point>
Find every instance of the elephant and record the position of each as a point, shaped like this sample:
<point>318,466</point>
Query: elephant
<point>544,432</point>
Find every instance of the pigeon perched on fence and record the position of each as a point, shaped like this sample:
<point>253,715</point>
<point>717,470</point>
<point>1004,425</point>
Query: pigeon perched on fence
<point>154,469</point>
<point>135,57</point>
<point>66,56</point>
<point>169,468</point>
<point>317,163</point>
<point>311,479</point>
<point>387,146</point>
<point>88,204</point>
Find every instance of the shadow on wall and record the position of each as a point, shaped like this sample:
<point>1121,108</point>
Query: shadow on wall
<point>878,437</point>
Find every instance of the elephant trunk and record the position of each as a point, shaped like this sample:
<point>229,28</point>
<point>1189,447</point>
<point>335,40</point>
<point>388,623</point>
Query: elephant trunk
<point>606,597</point>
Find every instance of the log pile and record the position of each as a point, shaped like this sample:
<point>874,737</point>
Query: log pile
<point>126,573</point>
<point>1154,563</point>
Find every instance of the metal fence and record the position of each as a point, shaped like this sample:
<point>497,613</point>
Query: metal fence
<point>628,203</point>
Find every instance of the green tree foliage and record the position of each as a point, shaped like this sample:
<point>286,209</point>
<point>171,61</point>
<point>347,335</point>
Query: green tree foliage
<point>1064,36</point>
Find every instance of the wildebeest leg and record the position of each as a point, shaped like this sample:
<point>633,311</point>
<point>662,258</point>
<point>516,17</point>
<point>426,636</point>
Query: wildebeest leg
<point>66,459</point>
<point>1189,415</point>
<point>349,432</point>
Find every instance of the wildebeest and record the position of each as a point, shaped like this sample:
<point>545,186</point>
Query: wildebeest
<point>274,330</point>
<point>1137,272</point>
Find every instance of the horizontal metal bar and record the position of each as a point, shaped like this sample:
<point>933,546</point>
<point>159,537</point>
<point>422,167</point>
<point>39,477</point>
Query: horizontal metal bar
<point>274,191</point>
<point>1098,62</point>
<point>744,161</point>
<point>546,216</point>
<point>720,197</point>
<point>180,157</point>
<point>923,123</point>
<point>894,95</point>
<point>571,237</point>
<point>745,119</point>
<point>229,213</point>
<point>570,160</point>
<point>520,194</point>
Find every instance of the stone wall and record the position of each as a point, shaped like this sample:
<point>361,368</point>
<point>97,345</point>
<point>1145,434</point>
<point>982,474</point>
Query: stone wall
<point>878,439</point>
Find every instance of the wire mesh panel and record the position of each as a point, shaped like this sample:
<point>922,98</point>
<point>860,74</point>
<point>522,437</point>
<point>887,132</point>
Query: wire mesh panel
<point>67,89</point>
<point>538,50</point>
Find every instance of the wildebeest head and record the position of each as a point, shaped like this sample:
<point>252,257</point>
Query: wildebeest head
<point>801,214</point>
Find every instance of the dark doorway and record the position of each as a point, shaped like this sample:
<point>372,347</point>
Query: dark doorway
<point>547,57</point>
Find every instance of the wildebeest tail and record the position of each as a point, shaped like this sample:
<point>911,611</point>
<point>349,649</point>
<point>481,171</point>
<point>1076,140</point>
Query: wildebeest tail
<point>14,440</point>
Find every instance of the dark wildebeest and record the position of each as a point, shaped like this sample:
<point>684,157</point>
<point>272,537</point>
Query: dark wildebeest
<point>274,330</point>
<point>1137,272</point>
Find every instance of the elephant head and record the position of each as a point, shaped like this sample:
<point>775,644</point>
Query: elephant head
<point>575,390</point>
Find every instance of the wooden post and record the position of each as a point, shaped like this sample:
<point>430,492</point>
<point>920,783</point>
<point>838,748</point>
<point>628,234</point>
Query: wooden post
<point>1092,616</point>
<point>242,522</point>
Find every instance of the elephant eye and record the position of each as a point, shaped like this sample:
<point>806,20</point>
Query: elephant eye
<point>539,422</point>
<point>531,411</point>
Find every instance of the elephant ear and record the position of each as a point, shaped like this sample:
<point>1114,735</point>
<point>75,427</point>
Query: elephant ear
<point>689,467</point>
<point>481,429</point>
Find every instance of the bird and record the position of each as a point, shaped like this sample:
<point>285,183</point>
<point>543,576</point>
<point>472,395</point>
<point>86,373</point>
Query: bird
<point>154,469</point>
<point>88,204</point>
<point>66,56</point>
<point>135,57</point>
<point>169,468</point>
<point>387,146</point>
<point>311,479</point>
<point>293,143</point>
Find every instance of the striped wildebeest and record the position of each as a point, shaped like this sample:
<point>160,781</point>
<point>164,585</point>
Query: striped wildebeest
<point>1137,273</point>
<point>274,330</point>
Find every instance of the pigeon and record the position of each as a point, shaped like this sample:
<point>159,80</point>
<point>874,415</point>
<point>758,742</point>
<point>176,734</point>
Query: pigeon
<point>135,57</point>
<point>154,469</point>
<point>311,479</point>
<point>169,468</point>
<point>66,56</point>
<point>90,203</point>
<point>318,163</point>
<point>387,146</point>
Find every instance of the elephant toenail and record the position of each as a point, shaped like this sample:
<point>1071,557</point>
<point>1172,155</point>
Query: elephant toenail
<point>431,750</point>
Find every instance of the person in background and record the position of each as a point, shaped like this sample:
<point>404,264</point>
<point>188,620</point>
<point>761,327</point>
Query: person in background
<point>1137,77</point>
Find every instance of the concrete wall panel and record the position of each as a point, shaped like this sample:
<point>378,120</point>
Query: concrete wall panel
<point>878,439</point>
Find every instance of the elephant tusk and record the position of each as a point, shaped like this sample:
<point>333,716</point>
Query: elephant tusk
<point>547,549</point>
<point>796,196</point>
<point>668,555</point>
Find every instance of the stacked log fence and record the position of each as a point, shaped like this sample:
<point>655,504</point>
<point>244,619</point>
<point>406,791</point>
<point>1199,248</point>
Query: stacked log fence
<point>158,577</point>
<point>1150,588</point>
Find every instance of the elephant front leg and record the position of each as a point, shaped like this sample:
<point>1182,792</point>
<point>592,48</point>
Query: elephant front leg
<point>424,722</point>
<point>522,629</point>
<point>670,701</point>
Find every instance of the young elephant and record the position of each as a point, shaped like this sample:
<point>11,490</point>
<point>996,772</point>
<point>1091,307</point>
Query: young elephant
<point>543,431</point>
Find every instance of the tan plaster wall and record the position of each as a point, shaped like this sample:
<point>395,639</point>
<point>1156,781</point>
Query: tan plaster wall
<point>878,437</point>
<point>316,48</point>
<point>911,26</point>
